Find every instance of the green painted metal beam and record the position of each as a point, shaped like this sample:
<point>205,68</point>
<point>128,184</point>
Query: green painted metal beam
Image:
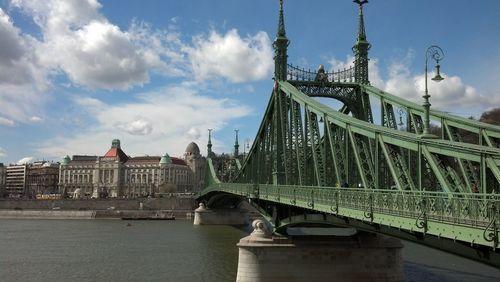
<point>455,121</point>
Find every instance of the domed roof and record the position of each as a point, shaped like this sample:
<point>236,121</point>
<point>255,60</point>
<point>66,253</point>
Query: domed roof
<point>165,159</point>
<point>115,143</point>
<point>65,160</point>
<point>193,149</point>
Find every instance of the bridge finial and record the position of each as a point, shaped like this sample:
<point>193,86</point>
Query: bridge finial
<point>281,23</point>
<point>361,28</point>
<point>209,145</point>
<point>280,48</point>
<point>361,48</point>
<point>236,145</point>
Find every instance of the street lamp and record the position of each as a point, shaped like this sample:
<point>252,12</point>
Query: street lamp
<point>436,53</point>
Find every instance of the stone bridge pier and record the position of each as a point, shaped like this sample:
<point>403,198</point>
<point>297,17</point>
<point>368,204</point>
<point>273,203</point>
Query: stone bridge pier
<point>356,257</point>
<point>206,216</point>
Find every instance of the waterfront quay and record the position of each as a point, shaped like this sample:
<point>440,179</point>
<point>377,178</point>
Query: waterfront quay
<point>180,206</point>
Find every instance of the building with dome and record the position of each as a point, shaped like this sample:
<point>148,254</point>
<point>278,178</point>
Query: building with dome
<point>115,174</point>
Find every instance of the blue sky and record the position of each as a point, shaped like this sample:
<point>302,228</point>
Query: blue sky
<point>157,74</point>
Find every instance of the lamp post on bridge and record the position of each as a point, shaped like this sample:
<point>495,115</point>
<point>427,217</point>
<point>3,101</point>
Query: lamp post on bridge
<point>436,53</point>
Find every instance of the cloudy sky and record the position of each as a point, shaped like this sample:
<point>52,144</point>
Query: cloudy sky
<point>75,74</point>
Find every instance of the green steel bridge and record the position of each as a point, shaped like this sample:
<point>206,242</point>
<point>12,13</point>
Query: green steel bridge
<point>440,191</point>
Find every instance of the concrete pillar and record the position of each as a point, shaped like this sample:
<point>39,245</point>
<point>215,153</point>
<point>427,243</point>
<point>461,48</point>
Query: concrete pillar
<point>205,216</point>
<point>362,257</point>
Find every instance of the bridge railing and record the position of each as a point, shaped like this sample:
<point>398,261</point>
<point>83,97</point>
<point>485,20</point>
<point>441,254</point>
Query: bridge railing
<point>300,74</point>
<point>469,209</point>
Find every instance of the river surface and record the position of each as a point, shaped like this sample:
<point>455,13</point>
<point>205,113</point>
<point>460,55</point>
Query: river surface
<point>108,250</point>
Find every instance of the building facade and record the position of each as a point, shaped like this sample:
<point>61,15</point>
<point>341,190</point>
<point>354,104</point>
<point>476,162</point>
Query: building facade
<point>15,181</point>
<point>28,180</point>
<point>118,175</point>
<point>3,172</point>
<point>42,178</point>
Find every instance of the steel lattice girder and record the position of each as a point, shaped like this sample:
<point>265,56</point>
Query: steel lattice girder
<point>399,139</point>
<point>403,140</point>
<point>487,132</point>
<point>290,124</point>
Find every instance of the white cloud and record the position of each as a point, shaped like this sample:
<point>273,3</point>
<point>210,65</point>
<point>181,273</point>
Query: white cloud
<point>194,133</point>
<point>162,49</point>
<point>80,42</point>
<point>21,76</point>
<point>15,67</point>
<point>94,53</point>
<point>7,122</point>
<point>231,56</point>
<point>451,94</point>
<point>3,153</point>
<point>25,160</point>
<point>90,103</point>
<point>35,119</point>
<point>21,102</point>
<point>336,64</point>
<point>99,55</point>
<point>166,120</point>
<point>138,126</point>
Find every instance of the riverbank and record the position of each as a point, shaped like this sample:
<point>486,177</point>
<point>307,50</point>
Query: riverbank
<point>180,207</point>
<point>96,214</point>
<point>170,203</point>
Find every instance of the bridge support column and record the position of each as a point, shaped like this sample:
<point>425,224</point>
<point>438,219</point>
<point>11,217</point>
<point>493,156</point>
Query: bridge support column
<point>362,257</point>
<point>205,216</point>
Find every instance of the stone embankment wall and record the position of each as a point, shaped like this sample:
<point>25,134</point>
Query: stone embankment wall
<point>97,208</point>
<point>47,214</point>
<point>172,203</point>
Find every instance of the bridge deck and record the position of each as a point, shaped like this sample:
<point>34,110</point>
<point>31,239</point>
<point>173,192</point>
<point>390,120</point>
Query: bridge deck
<point>464,217</point>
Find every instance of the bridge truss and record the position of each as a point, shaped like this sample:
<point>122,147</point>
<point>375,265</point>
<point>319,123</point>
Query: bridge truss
<point>311,164</point>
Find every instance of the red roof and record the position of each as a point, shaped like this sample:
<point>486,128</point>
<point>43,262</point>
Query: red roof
<point>144,159</point>
<point>178,161</point>
<point>116,153</point>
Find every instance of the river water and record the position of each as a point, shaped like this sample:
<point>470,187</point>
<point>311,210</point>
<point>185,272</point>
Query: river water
<point>108,250</point>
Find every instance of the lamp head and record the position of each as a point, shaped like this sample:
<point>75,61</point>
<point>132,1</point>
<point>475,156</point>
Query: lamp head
<point>438,76</point>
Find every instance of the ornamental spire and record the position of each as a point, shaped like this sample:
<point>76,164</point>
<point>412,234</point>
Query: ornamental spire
<point>281,24</point>
<point>209,145</point>
<point>236,145</point>
<point>280,48</point>
<point>361,28</point>
<point>361,48</point>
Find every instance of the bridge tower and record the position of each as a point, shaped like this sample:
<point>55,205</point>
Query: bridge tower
<point>280,73</point>
<point>360,49</point>
<point>236,145</point>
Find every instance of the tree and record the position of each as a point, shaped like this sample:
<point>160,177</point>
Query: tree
<point>491,116</point>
